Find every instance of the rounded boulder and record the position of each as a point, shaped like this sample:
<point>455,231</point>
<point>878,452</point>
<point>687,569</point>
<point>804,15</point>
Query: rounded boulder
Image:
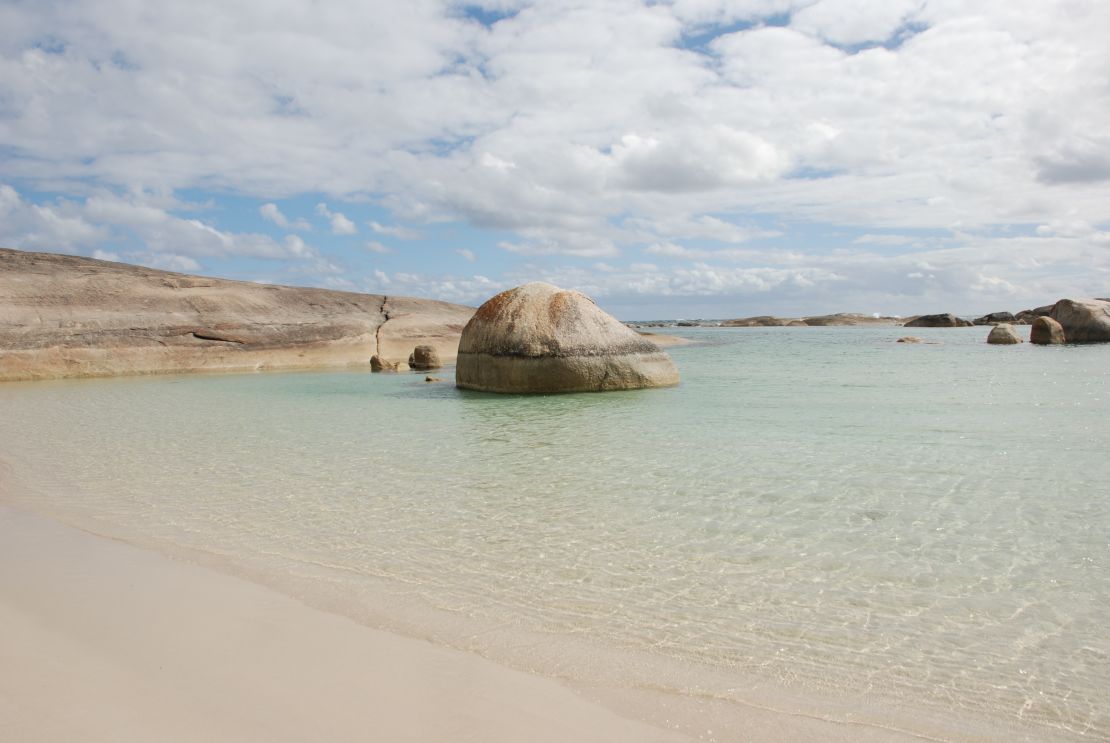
<point>538,338</point>
<point>1046,332</point>
<point>1003,335</point>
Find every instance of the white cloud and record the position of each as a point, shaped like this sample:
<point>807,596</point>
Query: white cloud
<point>340,225</point>
<point>398,231</point>
<point>272,213</point>
<point>376,247</point>
<point>467,254</point>
<point>105,218</point>
<point>855,21</point>
<point>577,131</point>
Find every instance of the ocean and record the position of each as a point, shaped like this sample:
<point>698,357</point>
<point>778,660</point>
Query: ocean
<point>817,521</point>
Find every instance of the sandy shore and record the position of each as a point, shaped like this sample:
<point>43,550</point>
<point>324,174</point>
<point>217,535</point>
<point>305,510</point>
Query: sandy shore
<point>102,641</point>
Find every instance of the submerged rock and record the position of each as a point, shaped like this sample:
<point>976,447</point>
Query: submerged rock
<point>1003,335</point>
<point>1046,331</point>
<point>424,358</point>
<point>540,338</point>
<point>909,339</point>
<point>945,320</point>
<point>1083,320</point>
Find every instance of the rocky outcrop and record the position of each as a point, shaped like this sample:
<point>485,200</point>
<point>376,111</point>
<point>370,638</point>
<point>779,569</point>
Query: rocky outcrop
<point>1046,332</point>
<point>946,320</point>
<point>840,318</point>
<point>762,321</point>
<point>538,338</point>
<point>995,318</point>
<point>1003,335</point>
<point>849,318</point>
<point>65,316</point>
<point>424,358</point>
<point>1083,320</point>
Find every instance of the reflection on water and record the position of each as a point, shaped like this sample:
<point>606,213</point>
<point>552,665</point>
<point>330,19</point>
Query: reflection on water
<point>820,510</point>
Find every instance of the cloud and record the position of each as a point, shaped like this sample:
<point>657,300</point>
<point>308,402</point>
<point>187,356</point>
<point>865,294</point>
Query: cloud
<point>340,225</point>
<point>376,247</point>
<point>84,226</point>
<point>61,227</point>
<point>272,213</point>
<point>574,132</point>
<point>855,21</point>
<point>403,233</point>
<point>467,254</point>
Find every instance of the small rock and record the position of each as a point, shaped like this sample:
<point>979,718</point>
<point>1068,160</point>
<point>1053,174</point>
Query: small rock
<point>378,364</point>
<point>433,379</point>
<point>1046,331</point>
<point>1003,335</point>
<point>910,339</point>
<point>423,358</point>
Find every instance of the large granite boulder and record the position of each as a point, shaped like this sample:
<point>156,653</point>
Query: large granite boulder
<point>945,320</point>
<point>1003,335</point>
<point>540,338</point>
<point>1046,331</point>
<point>1083,320</point>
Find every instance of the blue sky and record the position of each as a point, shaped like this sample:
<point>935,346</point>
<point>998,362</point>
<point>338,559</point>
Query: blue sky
<point>682,158</point>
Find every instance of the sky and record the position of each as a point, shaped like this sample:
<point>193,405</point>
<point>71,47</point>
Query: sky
<point>670,158</point>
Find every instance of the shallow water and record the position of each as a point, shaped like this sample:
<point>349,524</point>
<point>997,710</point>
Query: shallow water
<point>819,519</point>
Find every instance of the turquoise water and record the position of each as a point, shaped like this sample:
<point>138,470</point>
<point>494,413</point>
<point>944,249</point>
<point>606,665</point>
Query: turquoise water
<point>819,520</point>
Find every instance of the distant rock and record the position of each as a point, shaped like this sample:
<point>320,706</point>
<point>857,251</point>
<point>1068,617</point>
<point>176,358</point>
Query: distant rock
<point>538,338</point>
<point>1003,335</point>
<point>1028,316</point>
<point>946,320</point>
<point>424,358</point>
<point>797,324</point>
<point>994,318</point>
<point>433,379</point>
<point>850,318</point>
<point>1083,320</point>
<point>1046,331</point>
<point>761,321</point>
<point>910,339</point>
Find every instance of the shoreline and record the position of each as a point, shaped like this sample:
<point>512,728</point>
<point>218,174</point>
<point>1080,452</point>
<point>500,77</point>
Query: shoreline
<point>110,638</point>
<point>107,641</point>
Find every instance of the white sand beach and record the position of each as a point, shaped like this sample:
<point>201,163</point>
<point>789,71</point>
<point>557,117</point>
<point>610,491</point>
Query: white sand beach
<point>102,641</point>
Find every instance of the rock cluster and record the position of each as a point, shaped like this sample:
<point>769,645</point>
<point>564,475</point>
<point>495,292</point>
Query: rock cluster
<point>538,338</point>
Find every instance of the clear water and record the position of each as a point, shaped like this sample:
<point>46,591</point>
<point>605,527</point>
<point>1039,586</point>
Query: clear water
<point>820,520</point>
